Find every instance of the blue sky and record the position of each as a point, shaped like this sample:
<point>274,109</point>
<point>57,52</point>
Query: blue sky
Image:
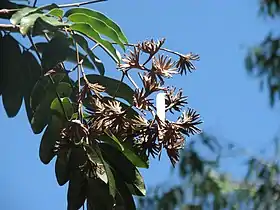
<point>228,99</point>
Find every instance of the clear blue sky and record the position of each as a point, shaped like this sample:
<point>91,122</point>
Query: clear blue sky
<point>228,99</point>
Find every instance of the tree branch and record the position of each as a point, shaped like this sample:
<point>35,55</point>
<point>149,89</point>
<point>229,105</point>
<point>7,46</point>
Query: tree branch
<point>9,27</point>
<point>78,4</point>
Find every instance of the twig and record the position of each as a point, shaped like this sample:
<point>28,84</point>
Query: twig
<point>84,57</point>
<point>78,4</point>
<point>34,4</point>
<point>9,27</point>
<point>163,49</point>
<point>7,11</point>
<point>119,84</point>
<point>131,80</point>
<point>80,105</point>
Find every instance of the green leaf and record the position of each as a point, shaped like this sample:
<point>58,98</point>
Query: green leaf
<point>55,52</point>
<point>88,31</point>
<point>12,93</point>
<point>42,87</point>
<point>15,19</point>
<point>51,135</point>
<point>124,198</point>
<point>42,112</point>
<point>83,43</point>
<point>98,25</point>
<point>77,191</point>
<point>27,23</point>
<point>67,107</point>
<point>111,85</point>
<point>31,71</point>
<point>56,12</point>
<point>127,170</point>
<point>110,176</point>
<point>133,157</point>
<point>100,16</point>
<point>50,58</point>
<point>62,171</point>
<point>98,196</point>
<point>115,140</point>
<point>45,23</point>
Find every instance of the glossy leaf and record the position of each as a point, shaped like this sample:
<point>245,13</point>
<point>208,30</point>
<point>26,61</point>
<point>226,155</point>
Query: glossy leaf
<point>134,158</point>
<point>100,16</point>
<point>83,43</point>
<point>31,71</point>
<point>88,31</point>
<point>15,19</point>
<point>27,22</point>
<point>77,191</point>
<point>56,12</point>
<point>12,90</point>
<point>98,25</point>
<point>127,170</point>
<point>67,107</point>
<point>111,85</point>
<point>50,136</point>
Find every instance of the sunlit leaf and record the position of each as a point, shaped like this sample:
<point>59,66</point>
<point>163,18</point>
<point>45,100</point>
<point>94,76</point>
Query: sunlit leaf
<point>56,12</point>
<point>56,107</point>
<point>98,25</point>
<point>100,16</point>
<point>88,31</point>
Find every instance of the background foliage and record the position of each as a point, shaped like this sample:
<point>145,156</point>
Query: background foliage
<point>202,184</point>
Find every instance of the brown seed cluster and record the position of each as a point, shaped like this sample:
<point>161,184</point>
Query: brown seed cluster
<point>130,123</point>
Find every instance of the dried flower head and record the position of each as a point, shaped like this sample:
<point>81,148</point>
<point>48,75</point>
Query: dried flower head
<point>96,88</point>
<point>175,101</point>
<point>163,67</point>
<point>151,47</point>
<point>140,100</point>
<point>188,122</point>
<point>150,84</point>
<point>185,63</point>
<point>147,140</point>
<point>111,117</point>
<point>131,60</point>
<point>75,132</point>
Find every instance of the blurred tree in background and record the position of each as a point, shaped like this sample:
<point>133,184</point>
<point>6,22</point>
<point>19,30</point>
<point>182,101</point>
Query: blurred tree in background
<point>202,184</point>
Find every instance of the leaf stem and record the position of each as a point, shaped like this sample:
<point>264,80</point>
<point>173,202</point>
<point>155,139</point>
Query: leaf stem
<point>84,57</point>
<point>118,87</point>
<point>131,80</point>
<point>80,111</point>
<point>78,4</point>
